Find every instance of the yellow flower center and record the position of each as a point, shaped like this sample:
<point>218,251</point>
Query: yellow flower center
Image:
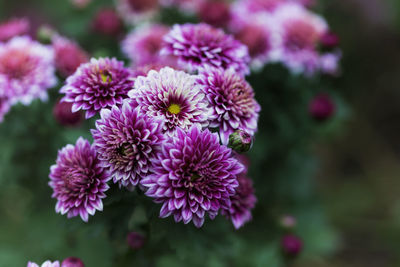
<point>174,109</point>
<point>105,77</point>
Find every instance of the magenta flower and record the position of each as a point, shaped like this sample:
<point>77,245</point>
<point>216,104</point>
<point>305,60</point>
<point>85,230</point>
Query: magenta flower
<point>107,22</point>
<point>78,180</point>
<point>252,7</point>
<point>193,175</point>
<point>72,262</point>
<point>242,202</point>
<point>173,97</point>
<point>200,45</point>
<point>99,84</point>
<point>232,101</point>
<point>45,264</point>
<point>26,70</point>
<point>127,142</point>
<point>300,32</point>
<point>12,28</point>
<point>143,45</point>
<point>68,55</point>
<point>215,13</point>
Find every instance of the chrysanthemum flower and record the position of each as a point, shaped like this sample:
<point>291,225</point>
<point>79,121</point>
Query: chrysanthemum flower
<point>26,70</point>
<point>242,202</point>
<point>172,96</point>
<point>300,32</point>
<point>45,264</point>
<point>257,6</point>
<point>99,84</point>
<point>78,180</point>
<point>193,175</point>
<point>12,28</point>
<point>127,142</point>
<point>143,45</point>
<point>107,22</point>
<point>199,45</point>
<point>215,13</point>
<point>134,11</point>
<point>232,101</point>
<point>68,55</point>
<point>259,35</point>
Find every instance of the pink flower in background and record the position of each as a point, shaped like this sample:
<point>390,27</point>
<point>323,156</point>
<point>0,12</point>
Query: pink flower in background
<point>193,176</point>
<point>63,114</point>
<point>137,11</point>
<point>190,6</point>
<point>45,264</point>
<point>80,3</point>
<point>68,55</point>
<point>26,70</point>
<point>78,180</point>
<point>72,262</point>
<point>143,45</point>
<point>200,45</point>
<point>322,107</point>
<point>12,28</point>
<point>215,12</point>
<point>259,35</point>
<point>299,33</point>
<point>107,22</point>
<point>329,63</point>
<point>251,7</point>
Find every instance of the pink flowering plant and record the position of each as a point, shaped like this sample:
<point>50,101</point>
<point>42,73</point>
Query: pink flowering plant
<point>166,114</point>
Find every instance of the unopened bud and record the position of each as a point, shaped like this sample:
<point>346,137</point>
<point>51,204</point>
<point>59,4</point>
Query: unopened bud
<point>240,141</point>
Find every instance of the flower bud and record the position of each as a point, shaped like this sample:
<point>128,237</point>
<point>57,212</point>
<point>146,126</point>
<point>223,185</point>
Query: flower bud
<point>45,34</point>
<point>135,240</point>
<point>240,141</point>
<point>291,245</point>
<point>322,107</point>
<point>72,262</point>
<point>63,114</point>
<point>216,13</point>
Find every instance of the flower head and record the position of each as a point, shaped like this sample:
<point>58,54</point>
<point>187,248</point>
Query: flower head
<point>45,264</point>
<point>252,7</point>
<point>78,180</point>
<point>143,45</point>
<point>26,70</point>
<point>62,112</point>
<point>200,45</point>
<point>135,240</point>
<point>193,175</point>
<point>127,142</point>
<point>12,28</point>
<point>242,202</point>
<point>68,55</point>
<point>322,107</point>
<point>107,22</point>
<point>101,83</point>
<point>172,96</point>
<point>291,245</point>
<point>300,31</point>
<point>232,101</point>
<point>215,13</point>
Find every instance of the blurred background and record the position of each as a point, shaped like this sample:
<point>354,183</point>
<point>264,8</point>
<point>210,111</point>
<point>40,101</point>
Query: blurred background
<point>357,168</point>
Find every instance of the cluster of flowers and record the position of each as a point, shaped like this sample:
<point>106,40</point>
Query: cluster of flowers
<point>28,68</point>
<point>166,132</point>
<point>284,31</point>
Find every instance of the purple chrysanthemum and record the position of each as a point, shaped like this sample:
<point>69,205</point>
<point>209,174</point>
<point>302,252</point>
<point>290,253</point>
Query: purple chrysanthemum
<point>172,96</point>
<point>143,45</point>
<point>68,55</point>
<point>232,100</point>
<point>26,70</point>
<point>13,27</point>
<point>99,84</point>
<point>242,202</point>
<point>78,180</point>
<point>127,142</point>
<point>193,175</point>
<point>45,264</point>
<point>199,45</point>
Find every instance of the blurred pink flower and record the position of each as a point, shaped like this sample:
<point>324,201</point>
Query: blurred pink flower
<point>13,27</point>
